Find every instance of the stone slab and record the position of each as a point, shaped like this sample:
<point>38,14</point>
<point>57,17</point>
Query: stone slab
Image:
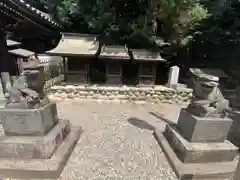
<point>42,168</point>
<point>2,103</point>
<point>199,152</point>
<point>26,147</point>
<point>29,122</point>
<point>234,133</point>
<point>173,76</point>
<point>203,129</point>
<point>195,171</point>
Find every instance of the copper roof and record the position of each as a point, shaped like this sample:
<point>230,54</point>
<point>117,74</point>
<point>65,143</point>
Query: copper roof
<point>145,55</point>
<point>12,43</point>
<point>75,44</point>
<point>21,52</point>
<point>114,52</point>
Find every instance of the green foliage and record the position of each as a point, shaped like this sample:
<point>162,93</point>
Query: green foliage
<point>177,17</point>
<point>40,4</point>
<point>206,32</point>
<point>215,42</point>
<point>135,22</point>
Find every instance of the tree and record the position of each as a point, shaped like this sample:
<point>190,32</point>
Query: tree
<point>40,4</point>
<point>216,41</point>
<point>136,23</point>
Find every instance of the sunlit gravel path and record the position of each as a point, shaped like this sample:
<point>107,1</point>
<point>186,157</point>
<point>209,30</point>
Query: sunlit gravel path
<point>117,142</point>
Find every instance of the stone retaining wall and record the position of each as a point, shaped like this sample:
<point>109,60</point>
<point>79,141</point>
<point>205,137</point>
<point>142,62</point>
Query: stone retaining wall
<point>121,94</point>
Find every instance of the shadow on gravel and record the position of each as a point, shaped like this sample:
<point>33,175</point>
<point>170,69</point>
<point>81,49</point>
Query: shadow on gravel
<point>161,117</point>
<point>140,123</point>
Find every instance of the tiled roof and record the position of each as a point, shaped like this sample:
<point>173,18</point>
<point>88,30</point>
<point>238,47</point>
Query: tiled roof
<point>40,13</point>
<point>22,9</point>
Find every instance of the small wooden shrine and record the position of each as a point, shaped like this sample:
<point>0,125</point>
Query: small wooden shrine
<point>77,52</point>
<point>114,56</point>
<point>88,63</point>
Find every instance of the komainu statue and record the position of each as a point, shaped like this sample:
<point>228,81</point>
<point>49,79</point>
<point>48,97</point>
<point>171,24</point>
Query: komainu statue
<point>27,91</point>
<point>207,100</point>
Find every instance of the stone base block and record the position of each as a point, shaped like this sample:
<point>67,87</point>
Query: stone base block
<point>203,129</point>
<point>196,171</point>
<point>25,147</point>
<point>41,168</point>
<point>2,103</point>
<point>234,133</point>
<point>29,122</point>
<point>199,152</point>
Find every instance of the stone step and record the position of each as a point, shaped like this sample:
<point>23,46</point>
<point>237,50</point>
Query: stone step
<point>198,152</point>
<point>196,171</point>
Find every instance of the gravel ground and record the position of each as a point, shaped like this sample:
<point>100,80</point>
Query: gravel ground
<point>117,142</point>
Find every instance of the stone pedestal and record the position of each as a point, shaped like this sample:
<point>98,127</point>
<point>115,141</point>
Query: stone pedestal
<point>203,129</point>
<point>35,143</point>
<point>197,147</point>
<point>29,122</point>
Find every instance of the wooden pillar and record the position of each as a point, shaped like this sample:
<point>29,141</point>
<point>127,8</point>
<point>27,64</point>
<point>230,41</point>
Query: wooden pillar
<point>154,72</point>
<point>4,60</point>
<point>20,62</point>
<point>13,69</point>
<point>87,73</point>
<point>64,68</point>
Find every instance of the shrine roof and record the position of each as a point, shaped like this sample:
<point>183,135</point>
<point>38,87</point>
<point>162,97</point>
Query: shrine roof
<point>41,14</point>
<point>20,9</point>
<point>114,52</point>
<point>72,44</point>
<point>146,55</point>
<point>75,44</point>
<point>21,52</point>
<point>12,43</point>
